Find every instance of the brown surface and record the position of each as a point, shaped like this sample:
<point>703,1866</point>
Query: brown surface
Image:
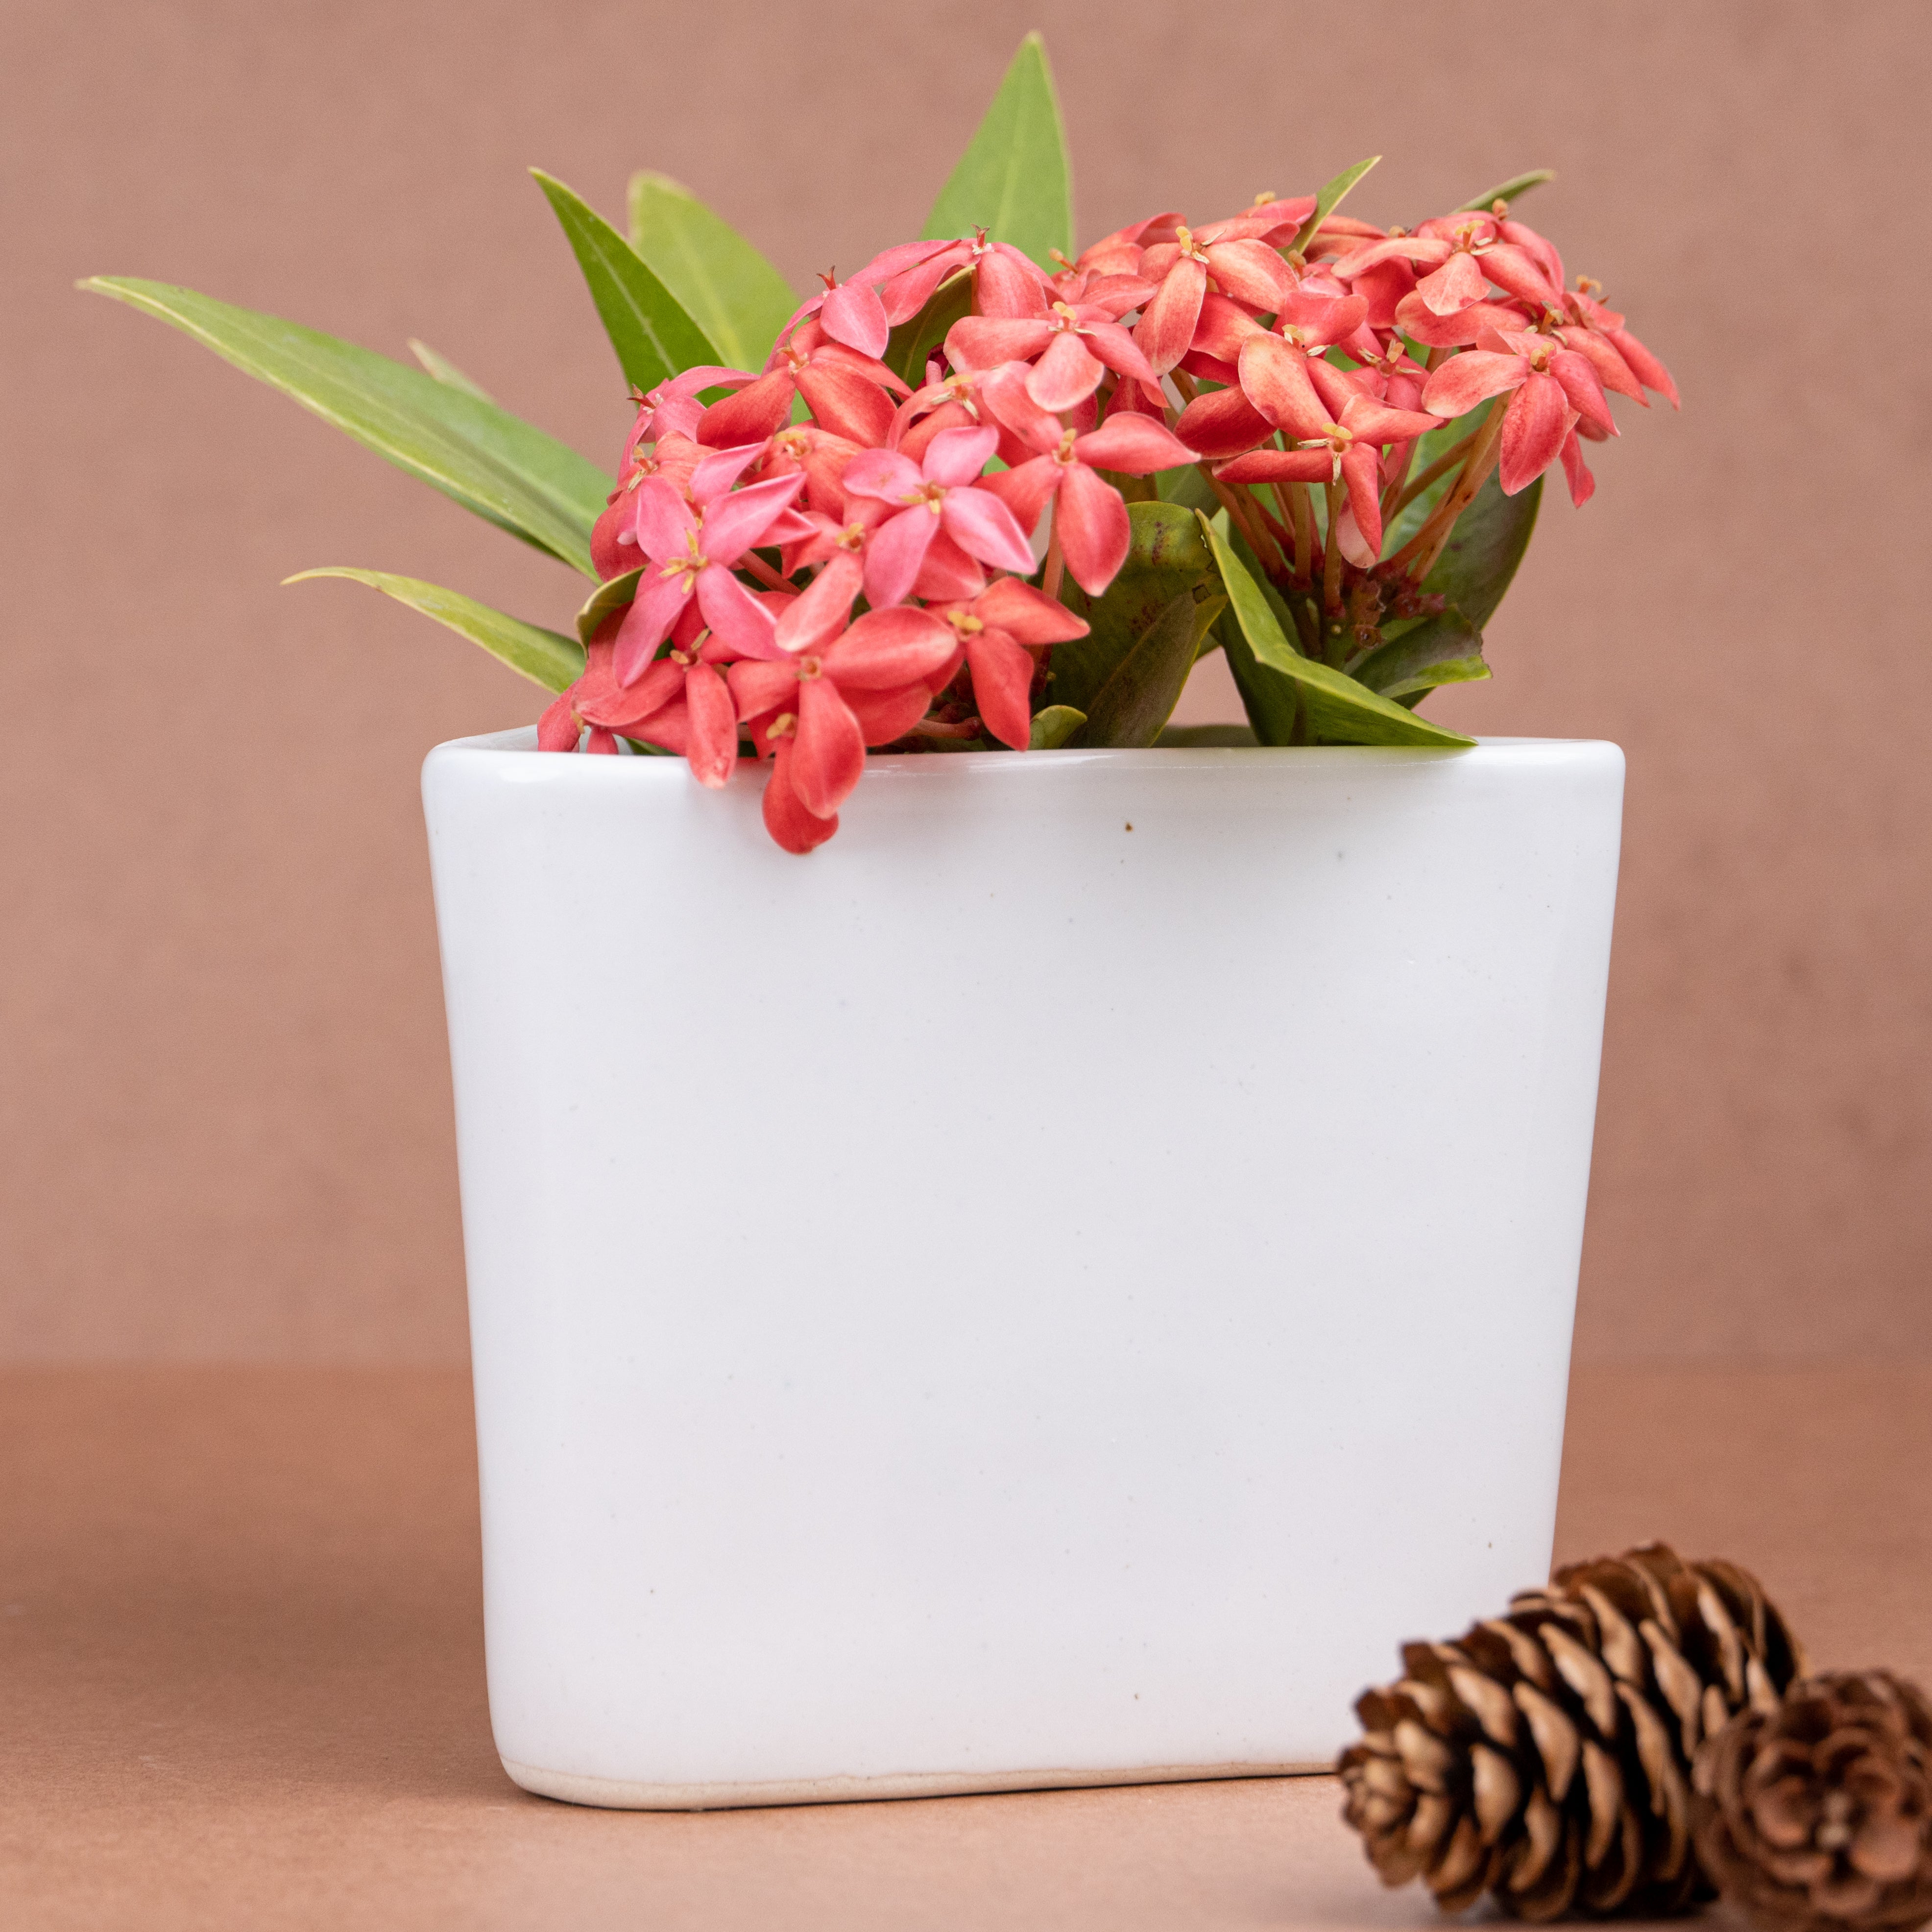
<point>223,1110</point>
<point>240,1655</point>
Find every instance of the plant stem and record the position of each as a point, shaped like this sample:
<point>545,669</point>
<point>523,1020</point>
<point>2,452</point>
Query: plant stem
<point>751,561</point>
<point>1267,552</point>
<point>1331,563</point>
<point>1417,557</point>
<point>1441,467</point>
<point>1303,518</point>
<point>1049,577</point>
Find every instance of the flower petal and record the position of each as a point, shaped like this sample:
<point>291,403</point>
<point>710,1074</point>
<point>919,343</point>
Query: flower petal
<point>716,474</point>
<point>1136,445</point>
<point>1538,420</point>
<point>847,403</point>
<point>894,553</point>
<point>1577,472</point>
<point>1582,385</point>
<point>1166,330</point>
<point>739,522</point>
<point>883,715</point>
<point>1002,686</point>
<point>1469,378</point>
<point>883,473</point>
<point>1361,470</point>
<point>1279,466</point>
<point>1457,285</point>
<point>1009,284</point>
<point>713,746</point>
<point>658,604</point>
<point>1276,381</point>
<point>1251,271</point>
<point>829,752</point>
<point>759,685</point>
<point>660,520</point>
<point>1027,614</point>
<point>736,618</point>
<point>884,649</point>
<point>1024,490</point>
<point>957,456</point>
<point>853,313</point>
<point>982,527</point>
<point>557,729</point>
<point>812,621</point>
<point>619,706</point>
<point>985,341</point>
<point>1222,423</point>
<point>1069,373</point>
<point>750,416</point>
<point>1094,529</point>
<point>947,574</point>
<point>786,819</point>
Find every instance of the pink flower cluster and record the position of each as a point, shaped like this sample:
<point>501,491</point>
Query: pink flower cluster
<point>882,492</point>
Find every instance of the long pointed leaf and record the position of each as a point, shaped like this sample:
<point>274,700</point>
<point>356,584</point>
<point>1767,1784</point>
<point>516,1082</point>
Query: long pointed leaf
<point>615,593</point>
<point>1484,549</point>
<point>542,656</point>
<point>446,371</point>
<point>1013,180</point>
<point>1328,198</point>
<point>647,325</point>
<point>1447,648</point>
<point>1507,190</point>
<point>480,456</point>
<point>719,279</point>
<point>1339,708</point>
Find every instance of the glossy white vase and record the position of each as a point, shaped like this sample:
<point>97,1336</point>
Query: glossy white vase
<point>1049,1289</point>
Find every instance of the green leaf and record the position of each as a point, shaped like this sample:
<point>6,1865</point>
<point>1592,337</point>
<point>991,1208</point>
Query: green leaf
<point>912,342</point>
<point>483,458</point>
<point>1328,198</point>
<point>1443,649</point>
<point>1137,701</point>
<point>648,327</point>
<point>1187,487</point>
<point>542,656</point>
<point>1272,701</point>
<point>616,594</point>
<point>1507,190</point>
<point>446,371</point>
<point>725,286</point>
<point>1338,707</point>
<point>1165,556</point>
<point>1484,549</point>
<point>1053,727</point>
<point>1013,180</point>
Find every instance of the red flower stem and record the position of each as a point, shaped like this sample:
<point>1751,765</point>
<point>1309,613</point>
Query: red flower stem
<point>1417,557</point>
<point>1440,468</point>
<point>1303,518</point>
<point>751,562</point>
<point>1331,562</point>
<point>1267,552</point>
<point>1050,576</point>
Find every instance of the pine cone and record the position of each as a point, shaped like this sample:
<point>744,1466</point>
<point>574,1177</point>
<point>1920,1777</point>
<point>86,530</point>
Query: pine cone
<point>1818,1815</point>
<point>1545,1754</point>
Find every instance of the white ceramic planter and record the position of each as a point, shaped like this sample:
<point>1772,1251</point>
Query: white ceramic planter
<point>1048,1290</point>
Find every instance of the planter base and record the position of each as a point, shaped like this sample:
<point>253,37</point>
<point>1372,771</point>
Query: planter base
<point>620,1794</point>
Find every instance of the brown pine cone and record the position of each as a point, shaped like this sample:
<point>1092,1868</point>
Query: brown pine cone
<point>1545,1755</point>
<point>1817,1815</point>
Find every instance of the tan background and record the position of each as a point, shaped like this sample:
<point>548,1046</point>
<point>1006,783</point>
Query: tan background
<point>223,1099</point>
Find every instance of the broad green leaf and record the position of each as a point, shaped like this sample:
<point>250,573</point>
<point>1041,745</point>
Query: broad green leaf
<point>1136,702</point>
<point>542,656</point>
<point>616,594</point>
<point>1196,737</point>
<point>912,342</point>
<point>1013,180</point>
<point>725,286</point>
<point>1165,556</point>
<point>484,458</point>
<point>1339,708</point>
<point>446,371</point>
<point>1053,727</point>
<point>1272,701</point>
<point>647,325</point>
<point>1328,198</point>
<point>1444,650</point>
<point>1484,549</point>
<point>1507,190</point>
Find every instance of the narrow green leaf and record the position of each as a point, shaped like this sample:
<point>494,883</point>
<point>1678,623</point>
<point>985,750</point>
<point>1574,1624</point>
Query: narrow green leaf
<point>912,342</point>
<point>1483,550</point>
<point>1444,650</point>
<point>648,326</point>
<point>1136,702</point>
<point>483,458</point>
<point>1507,190</point>
<point>1328,198</point>
<point>1053,727</point>
<point>613,595</point>
<point>1165,556</point>
<point>1013,180</point>
<point>725,286</point>
<point>446,371</point>
<point>542,656</point>
<point>1339,708</point>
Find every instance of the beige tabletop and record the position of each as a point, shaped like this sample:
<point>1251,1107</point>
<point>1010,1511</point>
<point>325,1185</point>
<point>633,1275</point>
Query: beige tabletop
<point>242,1684</point>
